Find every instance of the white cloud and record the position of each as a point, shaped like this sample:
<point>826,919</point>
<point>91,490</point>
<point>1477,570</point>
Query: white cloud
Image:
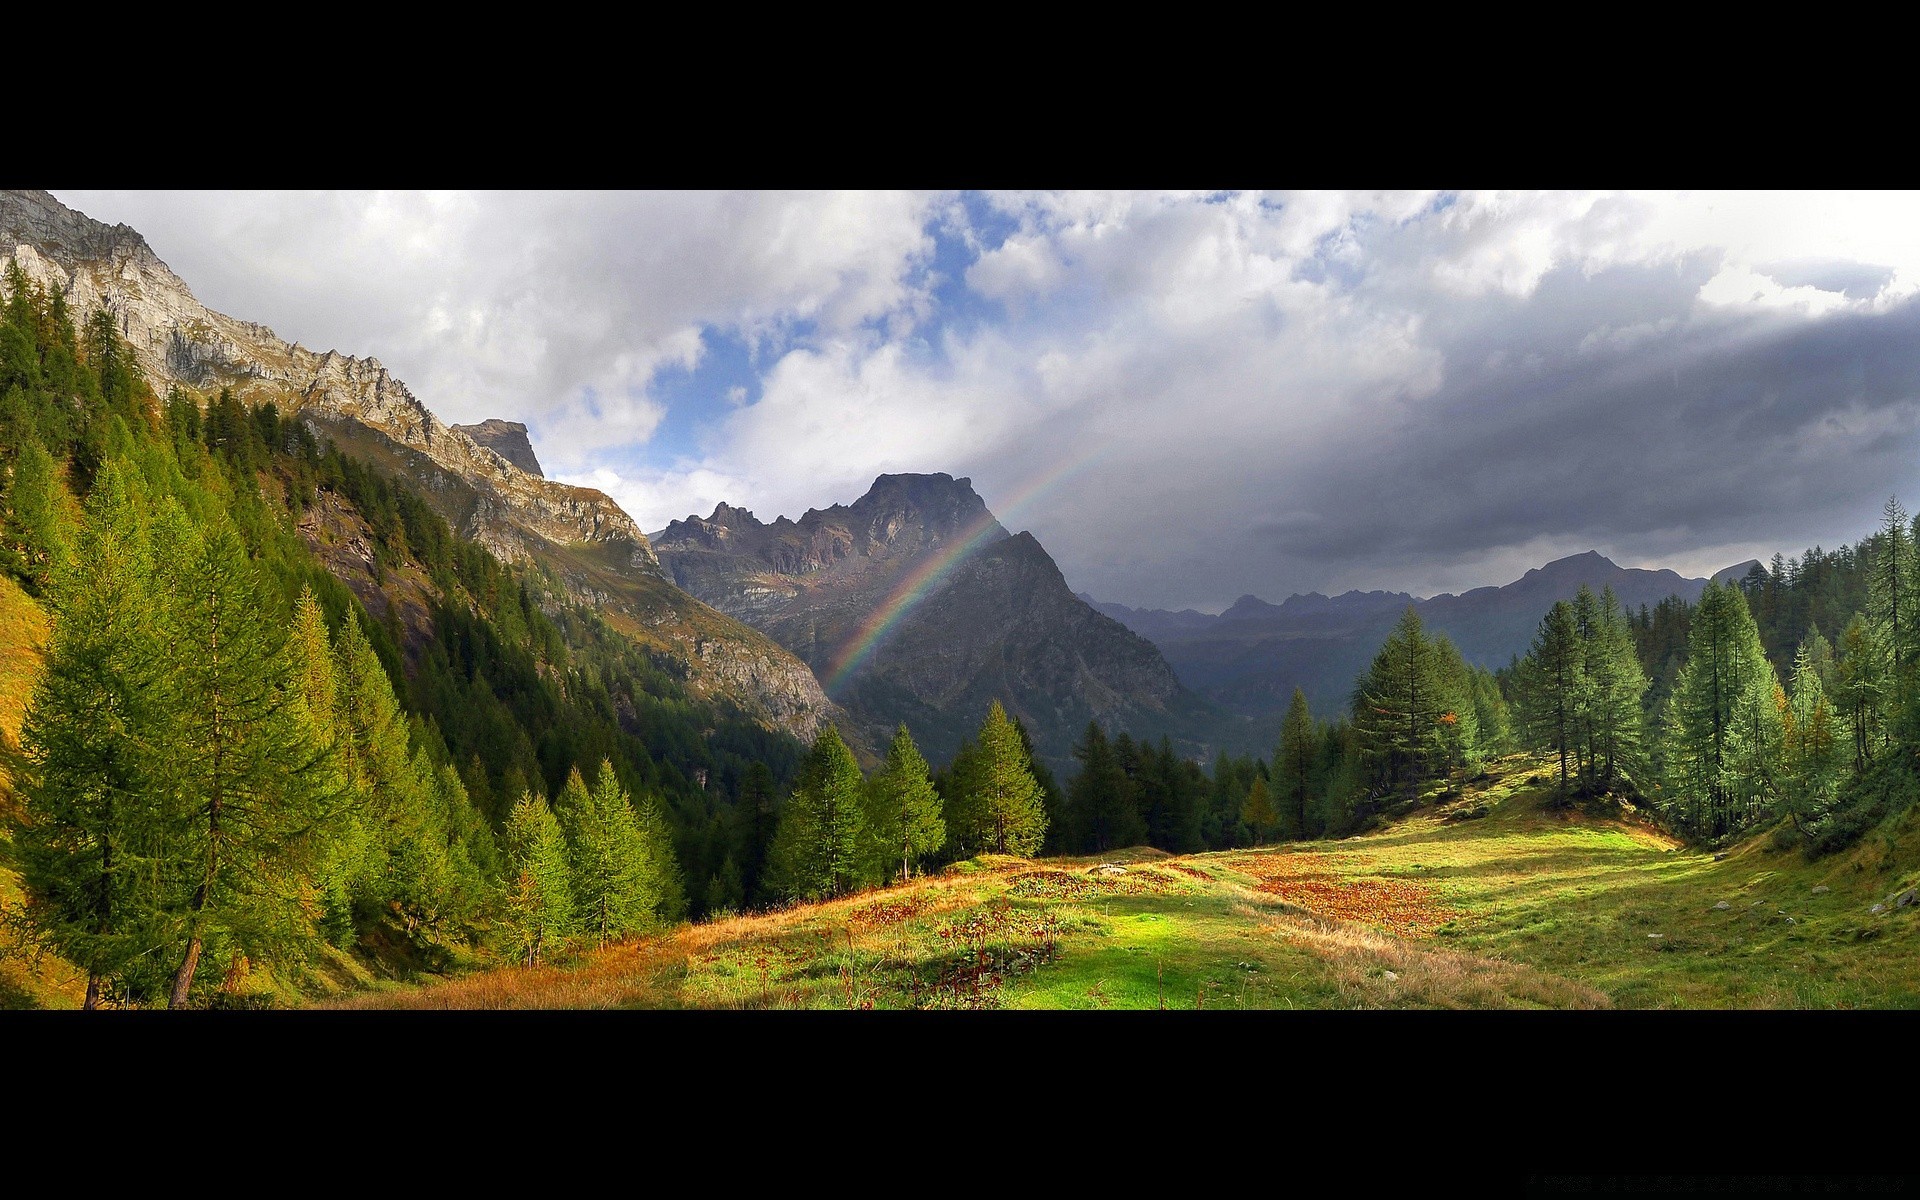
<point>1383,360</point>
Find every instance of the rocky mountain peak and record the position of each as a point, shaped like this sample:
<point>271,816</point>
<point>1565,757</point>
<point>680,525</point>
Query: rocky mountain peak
<point>178,340</point>
<point>508,439</point>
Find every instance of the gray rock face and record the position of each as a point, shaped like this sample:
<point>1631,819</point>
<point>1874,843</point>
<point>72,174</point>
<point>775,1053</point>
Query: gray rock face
<point>508,439</point>
<point>178,340</point>
<point>914,603</point>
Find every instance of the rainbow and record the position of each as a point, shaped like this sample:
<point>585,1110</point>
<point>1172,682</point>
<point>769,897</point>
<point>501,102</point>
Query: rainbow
<point>927,575</point>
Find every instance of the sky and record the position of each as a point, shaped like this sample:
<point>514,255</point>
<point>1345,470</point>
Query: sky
<point>1186,397</point>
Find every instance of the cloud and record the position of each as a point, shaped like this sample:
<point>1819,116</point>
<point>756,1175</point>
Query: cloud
<point>1186,396</point>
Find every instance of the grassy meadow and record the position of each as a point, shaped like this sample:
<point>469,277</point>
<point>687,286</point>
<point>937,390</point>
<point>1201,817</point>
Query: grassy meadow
<point>1526,906</point>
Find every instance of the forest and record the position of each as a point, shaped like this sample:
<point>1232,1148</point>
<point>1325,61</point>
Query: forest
<point>230,769</point>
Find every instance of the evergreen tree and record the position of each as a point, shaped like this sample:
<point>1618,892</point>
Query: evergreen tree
<point>1891,603</point>
<point>816,849</point>
<point>1397,705</point>
<point>93,826</point>
<point>616,884</point>
<point>1100,798</point>
<point>1258,811</point>
<point>1812,741</point>
<point>1616,684</point>
<point>539,906</point>
<point>1724,719</point>
<point>1860,689</point>
<point>1554,674</point>
<point>37,528</point>
<point>1294,763</point>
<point>904,812</point>
<point>1003,812</point>
<point>253,789</point>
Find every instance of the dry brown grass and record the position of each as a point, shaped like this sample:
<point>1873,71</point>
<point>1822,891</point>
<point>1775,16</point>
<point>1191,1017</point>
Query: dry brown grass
<point>1400,906</point>
<point>1358,961</point>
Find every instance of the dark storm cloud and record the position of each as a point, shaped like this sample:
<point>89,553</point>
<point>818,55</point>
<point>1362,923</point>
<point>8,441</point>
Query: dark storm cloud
<point>1727,428</point>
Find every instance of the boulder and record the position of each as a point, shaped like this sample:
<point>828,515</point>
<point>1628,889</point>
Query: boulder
<point>1723,906</point>
<point>1905,898</point>
<point>1821,890</point>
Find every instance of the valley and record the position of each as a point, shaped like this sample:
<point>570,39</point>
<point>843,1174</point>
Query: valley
<point>1529,906</point>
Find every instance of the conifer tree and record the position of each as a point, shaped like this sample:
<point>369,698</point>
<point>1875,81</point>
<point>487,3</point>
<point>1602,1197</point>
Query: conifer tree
<point>1003,813</point>
<point>1555,667</point>
<point>1615,685</point>
<point>37,528</point>
<point>1294,763</point>
<point>617,883</point>
<point>252,789</point>
<point>1397,705</point>
<point>1258,811</point>
<point>93,825</point>
<point>1100,798</point>
<point>904,811</point>
<point>1724,717</point>
<point>816,850</point>
<point>1860,690</point>
<point>1812,742</point>
<point>539,905</point>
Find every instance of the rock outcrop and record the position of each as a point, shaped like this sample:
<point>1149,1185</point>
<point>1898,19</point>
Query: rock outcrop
<point>508,439</point>
<point>178,340</point>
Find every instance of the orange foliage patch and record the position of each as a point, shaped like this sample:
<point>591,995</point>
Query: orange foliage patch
<point>1398,906</point>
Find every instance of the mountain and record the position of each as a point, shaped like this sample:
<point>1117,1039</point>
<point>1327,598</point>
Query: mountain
<point>508,439</point>
<point>579,534</point>
<point>1251,657</point>
<point>1738,571</point>
<point>914,603</point>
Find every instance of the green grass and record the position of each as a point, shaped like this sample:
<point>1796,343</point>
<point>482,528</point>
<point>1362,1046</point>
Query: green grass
<point>1530,906</point>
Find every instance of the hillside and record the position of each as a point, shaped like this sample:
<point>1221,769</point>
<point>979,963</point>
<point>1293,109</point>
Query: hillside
<point>483,479</point>
<point>1525,906</point>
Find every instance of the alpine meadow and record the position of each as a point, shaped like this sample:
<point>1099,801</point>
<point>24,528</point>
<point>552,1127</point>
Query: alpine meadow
<point>312,700</point>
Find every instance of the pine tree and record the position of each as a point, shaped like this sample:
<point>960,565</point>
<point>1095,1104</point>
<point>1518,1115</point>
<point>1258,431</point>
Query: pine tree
<point>1891,605</point>
<point>1258,811</point>
<point>904,812</point>
<point>1004,814</point>
<point>1555,666</point>
<point>1397,705</point>
<point>614,892</point>
<point>37,527</point>
<point>1293,765</point>
<point>539,905</point>
<point>1616,684</point>
<point>1100,798</point>
<point>1812,742</point>
<point>1859,687</point>
<point>252,788</point>
<point>816,850</point>
<point>92,829</point>
<point>1724,717</point>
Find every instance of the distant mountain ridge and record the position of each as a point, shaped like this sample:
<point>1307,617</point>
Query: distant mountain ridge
<point>1251,657</point>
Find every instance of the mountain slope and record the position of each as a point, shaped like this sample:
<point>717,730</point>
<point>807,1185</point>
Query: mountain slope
<point>913,603</point>
<point>578,533</point>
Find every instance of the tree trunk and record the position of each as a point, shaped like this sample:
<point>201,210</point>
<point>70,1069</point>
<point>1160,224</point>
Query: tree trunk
<point>93,991</point>
<point>183,978</point>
